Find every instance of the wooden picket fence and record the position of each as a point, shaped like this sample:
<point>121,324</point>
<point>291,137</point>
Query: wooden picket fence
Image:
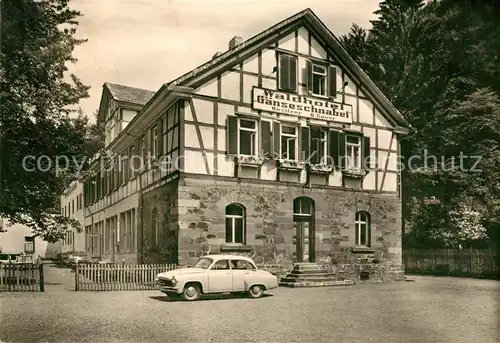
<point>128,277</point>
<point>118,277</point>
<point>482,263</point>
<point>21,277</point>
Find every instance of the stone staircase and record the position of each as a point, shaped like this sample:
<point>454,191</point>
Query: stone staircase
<point>313,275</point>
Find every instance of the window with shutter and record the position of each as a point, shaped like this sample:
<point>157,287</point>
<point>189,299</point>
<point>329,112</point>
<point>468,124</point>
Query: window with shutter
<point>319,146</point>
<point>333,148</point>
<point>287,72</point>
<point>288,142</point>
<point>353,151</point>
<point>247,137</point>
<point>305,139</point>
<point>317,78</point>
<point>341,145</point>
<point>232,135</point>
<point>366,153</point>
<point>332,81</point>
<point>265,139</point>
<point>242,136</point>
<point>276,140</point>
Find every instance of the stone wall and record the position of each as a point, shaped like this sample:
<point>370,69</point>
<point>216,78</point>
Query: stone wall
<point>164,200</point>
<point>269,224</point>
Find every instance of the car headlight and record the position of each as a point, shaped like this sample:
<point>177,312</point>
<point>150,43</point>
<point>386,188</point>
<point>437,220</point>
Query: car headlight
<point>174,281</point>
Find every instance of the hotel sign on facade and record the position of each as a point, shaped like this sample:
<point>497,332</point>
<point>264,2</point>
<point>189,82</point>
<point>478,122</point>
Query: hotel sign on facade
<point>299,105</point>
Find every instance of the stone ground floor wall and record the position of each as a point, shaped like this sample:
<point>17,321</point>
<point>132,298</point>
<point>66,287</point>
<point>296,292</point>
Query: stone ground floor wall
<point>200,206</point>
<point>159,213</point>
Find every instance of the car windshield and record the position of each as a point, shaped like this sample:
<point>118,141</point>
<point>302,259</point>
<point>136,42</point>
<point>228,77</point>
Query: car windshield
<point>203,263</point>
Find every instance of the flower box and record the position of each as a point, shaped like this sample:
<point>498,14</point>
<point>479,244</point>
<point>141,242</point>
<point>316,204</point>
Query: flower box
<point>291,164</point>
<point>354,173</point>
<point>250,161</point>
<point>320,168</point>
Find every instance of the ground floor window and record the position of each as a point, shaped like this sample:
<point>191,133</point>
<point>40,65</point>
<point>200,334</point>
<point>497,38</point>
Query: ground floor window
<point>363,232</point>
<point>235,224</point>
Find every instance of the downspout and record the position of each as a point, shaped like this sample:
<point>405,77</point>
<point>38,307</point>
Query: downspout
<point>141,220</point>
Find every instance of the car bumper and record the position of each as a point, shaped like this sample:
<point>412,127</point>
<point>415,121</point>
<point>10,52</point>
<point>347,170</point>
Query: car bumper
<point>168,289</point>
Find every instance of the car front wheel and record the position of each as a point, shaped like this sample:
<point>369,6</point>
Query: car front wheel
<point>256,291</point>
<point>191,292</point>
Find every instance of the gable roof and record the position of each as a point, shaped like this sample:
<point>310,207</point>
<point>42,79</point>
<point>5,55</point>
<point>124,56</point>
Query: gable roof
<point>129,94</point>
<point>132,95</point>
<point>308,19</point>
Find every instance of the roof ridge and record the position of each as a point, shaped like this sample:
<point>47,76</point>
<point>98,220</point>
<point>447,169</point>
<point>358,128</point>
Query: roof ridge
<point>122,85</point>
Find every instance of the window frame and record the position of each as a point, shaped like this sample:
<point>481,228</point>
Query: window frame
<point>255,136</point>
<point>321,144</point>
<point>132,157</point>
<point>325,78</point>
<point>350,156</point>
<point>233,226</point>
<point>295,136</point>
<point>362,218</point>
<point>143,151</point>
<point>228,265</point>
<point>154,138</point>
<point>236,260</point>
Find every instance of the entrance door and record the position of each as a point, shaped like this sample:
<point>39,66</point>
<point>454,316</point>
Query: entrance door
<point>303,218</point>
<point>304,246</point>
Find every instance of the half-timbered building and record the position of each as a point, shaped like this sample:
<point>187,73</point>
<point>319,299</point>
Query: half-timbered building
<point>281,147</point>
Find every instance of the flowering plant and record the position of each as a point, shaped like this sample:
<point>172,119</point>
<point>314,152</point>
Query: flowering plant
<point>290,164</point>
<point>354,173</point>
<point>249,160</point>
<point>321,168</point>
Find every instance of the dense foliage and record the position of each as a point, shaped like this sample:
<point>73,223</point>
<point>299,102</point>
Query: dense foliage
<point>438,62</point>
<point>39,114</point>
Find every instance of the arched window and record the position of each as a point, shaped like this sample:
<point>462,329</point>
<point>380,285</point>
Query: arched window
<point>154,228</point>
<point>235,224</point>
<point>303,207</point>
<point>363,230</point>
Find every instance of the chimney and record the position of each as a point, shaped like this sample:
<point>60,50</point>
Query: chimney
<point>217,54</point>
<point>233,43</point>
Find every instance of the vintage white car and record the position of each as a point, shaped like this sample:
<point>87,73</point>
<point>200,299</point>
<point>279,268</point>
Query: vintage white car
<point>217,274</point>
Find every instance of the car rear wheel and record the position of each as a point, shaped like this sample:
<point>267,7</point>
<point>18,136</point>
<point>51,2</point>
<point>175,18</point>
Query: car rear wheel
<point>191,292</point>
<point>256,291</point>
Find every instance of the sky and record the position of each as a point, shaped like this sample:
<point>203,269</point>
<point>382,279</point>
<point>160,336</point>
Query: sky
<point>147,43</point>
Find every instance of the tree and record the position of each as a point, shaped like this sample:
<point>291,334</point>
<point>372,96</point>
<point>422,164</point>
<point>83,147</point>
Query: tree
<point>42,133</point>
<point>438,64</point>
<point>356,44</point>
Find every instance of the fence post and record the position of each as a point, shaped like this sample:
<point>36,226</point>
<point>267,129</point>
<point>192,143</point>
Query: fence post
<point>42,284</point>
<point>77,277</point>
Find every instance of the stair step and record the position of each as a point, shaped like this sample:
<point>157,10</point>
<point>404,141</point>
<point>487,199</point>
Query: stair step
<point>302,276</point>
<point>317,284</point>
<point>307,267</point>
<point>312,279</point>
<point>310,273</point>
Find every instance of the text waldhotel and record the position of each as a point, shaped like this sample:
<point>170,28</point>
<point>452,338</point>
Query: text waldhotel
<point>298,105</point>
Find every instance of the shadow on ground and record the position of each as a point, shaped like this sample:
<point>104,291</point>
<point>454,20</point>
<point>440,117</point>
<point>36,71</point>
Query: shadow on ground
<point>166,298</point>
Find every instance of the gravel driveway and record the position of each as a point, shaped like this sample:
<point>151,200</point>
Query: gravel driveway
<point>427,310</point>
